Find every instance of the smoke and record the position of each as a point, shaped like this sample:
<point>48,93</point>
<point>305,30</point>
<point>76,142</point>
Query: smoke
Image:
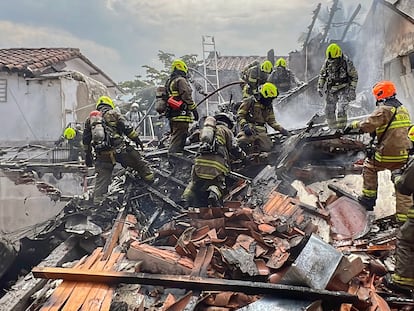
<point>369,50</point>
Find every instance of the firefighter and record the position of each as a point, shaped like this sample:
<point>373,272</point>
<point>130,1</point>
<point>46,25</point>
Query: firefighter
<point>255,75</point>
<point>212,164</point>
<point>254,113</point>
<point>73,135</point>
<point>282,77</point>
<point>134,116</point>
<point>340,77</point>
<point>404,253</point>
<point>115,147</point>
<point>181,109</point>
<point>390,122</point>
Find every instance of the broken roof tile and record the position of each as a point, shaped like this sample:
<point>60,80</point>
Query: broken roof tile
<point>27,60</point>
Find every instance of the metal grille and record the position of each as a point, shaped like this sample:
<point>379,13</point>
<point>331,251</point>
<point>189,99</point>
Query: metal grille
<point>3,90</point>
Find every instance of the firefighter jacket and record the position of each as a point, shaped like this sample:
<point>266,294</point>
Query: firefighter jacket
<point>179,88</point>
<point>254,77</point>
<point>115,125</point>
<point>394,143</point>
<point>283,78</point>
<point>254,113</point>
<point>338,73</point>
<point>217,162</point>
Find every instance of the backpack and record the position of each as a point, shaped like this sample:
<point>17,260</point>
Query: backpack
<point>244,73</point>
<point>208,136</point>
<point>161,99</point>
<point>99,137</point>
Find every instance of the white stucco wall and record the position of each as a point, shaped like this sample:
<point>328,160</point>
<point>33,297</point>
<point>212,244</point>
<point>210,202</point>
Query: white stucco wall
<point>36,111</point>
<point>77,64</point>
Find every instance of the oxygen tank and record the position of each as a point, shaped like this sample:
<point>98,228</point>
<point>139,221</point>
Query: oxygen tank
<point>161,99</point>
<point>207,135</point>
<point>97,128</point>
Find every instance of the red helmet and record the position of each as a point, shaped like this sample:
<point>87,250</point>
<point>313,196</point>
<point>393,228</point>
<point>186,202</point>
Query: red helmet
<point>383,90</point>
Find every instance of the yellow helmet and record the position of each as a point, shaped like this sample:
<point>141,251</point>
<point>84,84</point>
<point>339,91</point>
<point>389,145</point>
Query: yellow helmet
<point>105,100</point>
<point>268,90</point>
<point>69,133</point>
<point>266,66</point>
<point>281,62</point>
<point>333,51</point>
<point>179,65</point>
<point>411,133</point>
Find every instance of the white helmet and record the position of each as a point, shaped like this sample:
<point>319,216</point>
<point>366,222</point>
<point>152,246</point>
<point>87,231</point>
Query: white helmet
<point>134,105</point>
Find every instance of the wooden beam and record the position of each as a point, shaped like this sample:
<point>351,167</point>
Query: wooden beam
<point>112,240</point>
<point>195,283</point>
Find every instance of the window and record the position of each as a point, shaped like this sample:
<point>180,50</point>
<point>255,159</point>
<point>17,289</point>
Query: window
<point>3,90</point>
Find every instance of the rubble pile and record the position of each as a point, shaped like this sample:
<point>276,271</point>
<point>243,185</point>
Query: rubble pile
<point>268,247</point>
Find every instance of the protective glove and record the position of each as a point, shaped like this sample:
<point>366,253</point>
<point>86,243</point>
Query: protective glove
<point>243,157</point>
<point>351,126</point>
<point>320,92</point>
<point>195,114</point>
<point>247,130</point>
<point>88,159</point>
<point>139,143</point>
<point>284,132</point>
<point>351,95</point>
<point>58,142</point>
<point>396,175</point>
<point>348,129</point>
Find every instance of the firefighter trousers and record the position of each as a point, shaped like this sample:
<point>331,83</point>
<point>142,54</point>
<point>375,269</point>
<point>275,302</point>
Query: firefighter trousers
<point>336,108</point>
<point>104,165</point>
<point>179,133</point>
<point>370,183</point>
<point>257,142</point>
<point>197,191</point>
<point>404,254</point>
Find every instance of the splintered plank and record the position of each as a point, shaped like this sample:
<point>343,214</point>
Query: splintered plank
<point>63,291</point>
<point>106,303</point>
<point>81,290</point>
<point>99,292</point>
<point>199,283</point>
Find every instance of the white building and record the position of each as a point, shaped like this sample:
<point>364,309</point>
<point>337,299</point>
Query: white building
<point>42,90</point>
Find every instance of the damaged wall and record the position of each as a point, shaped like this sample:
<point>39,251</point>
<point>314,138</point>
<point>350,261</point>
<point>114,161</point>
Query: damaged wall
<point>23,205</point>
<point>388,50</point>
<point>35,107</point>
<point>43,107</point>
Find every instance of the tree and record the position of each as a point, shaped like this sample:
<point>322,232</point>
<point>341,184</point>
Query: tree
<point>154,77</point>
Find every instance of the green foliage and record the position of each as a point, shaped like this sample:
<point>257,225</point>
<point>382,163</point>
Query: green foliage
<point>154,76</point>
<point>132,86</point>
<point>140,85</point>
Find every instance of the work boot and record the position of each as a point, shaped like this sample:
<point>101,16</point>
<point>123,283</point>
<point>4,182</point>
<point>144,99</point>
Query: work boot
<point>367,202</point>
<point>213,200</point>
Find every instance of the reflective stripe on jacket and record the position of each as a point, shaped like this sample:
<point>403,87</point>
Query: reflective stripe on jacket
<point>181,90</point>
<point>253,112</point>
<point>395,144</point>
<point>210,165</point>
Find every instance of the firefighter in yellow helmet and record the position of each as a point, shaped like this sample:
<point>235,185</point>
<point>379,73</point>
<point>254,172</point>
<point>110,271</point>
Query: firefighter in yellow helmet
<point>404,253</point>
<point>389,122</point>
<point>212,164</point>
<point>254,113</point>
<point>73,135</point>
<point>105,133</point>
<point>254,75</point>
<point>340,77</point>
<point>282,77</point>
<point>181,108</point>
